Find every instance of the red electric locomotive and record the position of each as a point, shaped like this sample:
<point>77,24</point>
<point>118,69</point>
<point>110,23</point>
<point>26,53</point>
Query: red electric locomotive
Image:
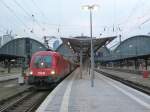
<point>47,67</point>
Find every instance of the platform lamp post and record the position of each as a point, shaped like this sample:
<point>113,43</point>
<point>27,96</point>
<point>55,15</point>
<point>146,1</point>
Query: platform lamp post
<point>91,8</point>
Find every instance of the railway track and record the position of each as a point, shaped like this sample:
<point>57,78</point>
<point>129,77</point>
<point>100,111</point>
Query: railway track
<point>134,85</point>
<point>26,102</point>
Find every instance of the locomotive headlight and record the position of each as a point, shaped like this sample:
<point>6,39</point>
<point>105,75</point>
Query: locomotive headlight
<point>53,72</point>
<point>42,64</point>
<point>30,73</point>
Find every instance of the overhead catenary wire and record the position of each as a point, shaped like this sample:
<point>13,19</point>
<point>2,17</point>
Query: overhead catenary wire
<point>39,9</point>
<point>118,27</point>
<point>43,15</point>
<point>30,16</point>
<point>49,25</point>
<point>13,12</point>
<point>17,17</point>
<point>133,11</point>
<point>138,21</point>
<point>21,7</point>
<point>13,24</point>
<point>27,13</point>
<point>33,16</point>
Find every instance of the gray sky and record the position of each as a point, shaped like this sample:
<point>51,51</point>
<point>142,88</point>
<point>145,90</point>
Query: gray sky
<point>44,17</point>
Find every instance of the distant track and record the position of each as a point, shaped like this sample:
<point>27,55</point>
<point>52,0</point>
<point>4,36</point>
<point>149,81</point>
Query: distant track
<point>134,85</point>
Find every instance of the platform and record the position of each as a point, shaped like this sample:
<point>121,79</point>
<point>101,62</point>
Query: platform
<point>77,95</point>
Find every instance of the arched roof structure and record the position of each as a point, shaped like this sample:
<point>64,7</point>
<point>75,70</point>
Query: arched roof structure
<point>22,47</point>
<point>133,47</point>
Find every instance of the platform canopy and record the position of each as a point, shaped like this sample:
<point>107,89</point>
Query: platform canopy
<point>84,43</point>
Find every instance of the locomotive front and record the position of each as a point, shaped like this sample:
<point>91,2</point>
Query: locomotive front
<point>42,69</point>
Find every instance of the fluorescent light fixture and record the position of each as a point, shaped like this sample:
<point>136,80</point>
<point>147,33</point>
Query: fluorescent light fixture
<point>93,7</point>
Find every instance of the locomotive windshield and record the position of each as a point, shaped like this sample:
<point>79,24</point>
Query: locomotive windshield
<point>42,61</point>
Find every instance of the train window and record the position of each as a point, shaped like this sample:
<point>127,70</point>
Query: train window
<point>37,61</point>
<point>47,60</point>
<point>42,61</point>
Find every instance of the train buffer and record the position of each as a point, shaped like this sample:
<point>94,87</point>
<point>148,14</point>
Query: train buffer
<point>76,95</point>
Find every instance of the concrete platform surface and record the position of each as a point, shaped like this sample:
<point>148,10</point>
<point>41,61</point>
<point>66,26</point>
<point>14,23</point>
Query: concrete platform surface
<point>77,95</point>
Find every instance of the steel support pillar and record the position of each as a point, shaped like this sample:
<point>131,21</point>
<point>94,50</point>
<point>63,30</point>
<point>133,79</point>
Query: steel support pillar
<point>135,63</point>
<point>146,64</point>
<point>9,65</point>
<point>92,54</point>
<point>81,63</point>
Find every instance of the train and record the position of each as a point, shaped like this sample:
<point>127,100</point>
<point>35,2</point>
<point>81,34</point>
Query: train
<point>47,67</point>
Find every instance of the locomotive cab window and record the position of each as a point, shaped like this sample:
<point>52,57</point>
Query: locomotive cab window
<point>47,60</point>
<point>42,61</point>
<point>37,62</point>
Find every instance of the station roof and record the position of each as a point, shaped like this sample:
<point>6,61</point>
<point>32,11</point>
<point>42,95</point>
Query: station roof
<point>84,42</point>
<point>136,47</point>
<point>21,47</point>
